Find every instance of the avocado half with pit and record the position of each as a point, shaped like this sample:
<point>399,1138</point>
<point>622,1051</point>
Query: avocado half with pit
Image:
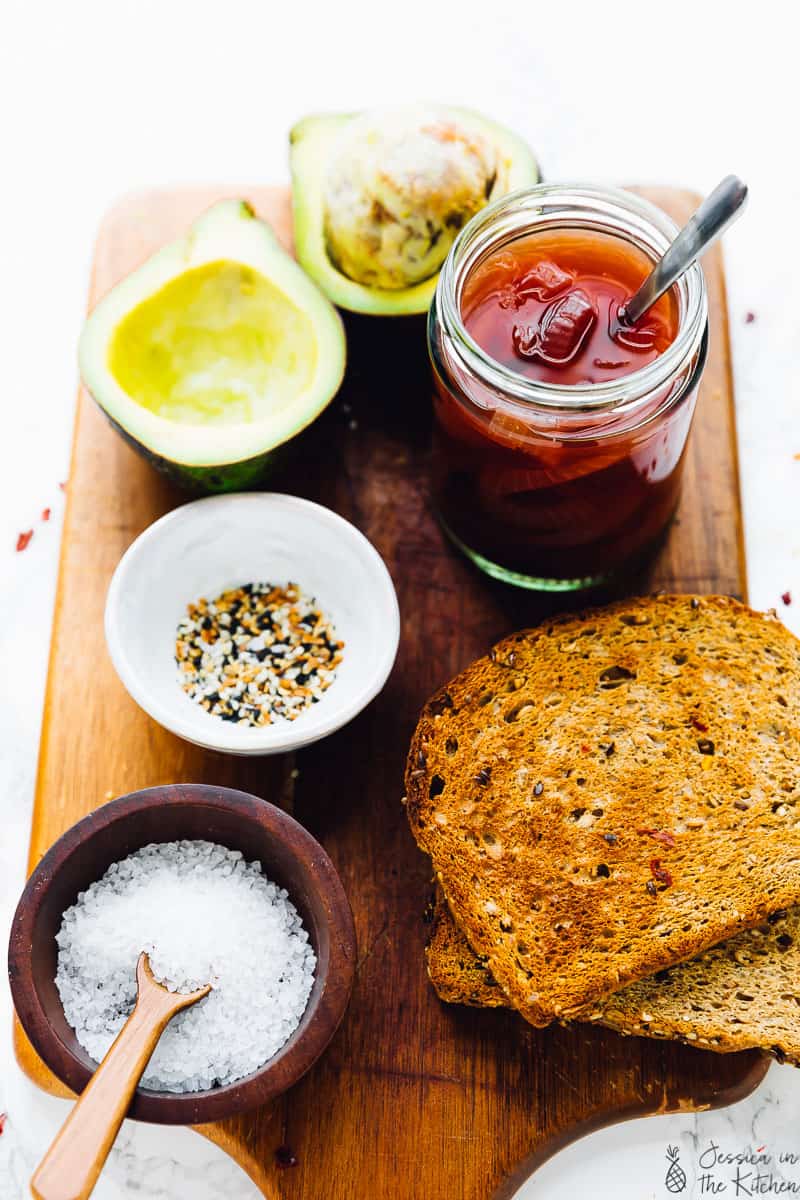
<point>215,353</point>
<point>379,197</point>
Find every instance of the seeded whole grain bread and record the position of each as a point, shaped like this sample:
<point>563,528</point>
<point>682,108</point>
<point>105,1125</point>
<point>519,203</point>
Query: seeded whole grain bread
<point>739,995</point>
<point>608,795</point>
<point>458,974</point>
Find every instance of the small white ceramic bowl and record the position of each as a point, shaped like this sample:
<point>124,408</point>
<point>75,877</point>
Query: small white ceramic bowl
<point>205,547</point>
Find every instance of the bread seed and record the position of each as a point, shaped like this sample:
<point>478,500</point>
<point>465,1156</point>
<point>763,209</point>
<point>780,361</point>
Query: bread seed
<point>613,677</point>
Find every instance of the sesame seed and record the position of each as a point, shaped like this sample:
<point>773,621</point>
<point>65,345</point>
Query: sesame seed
<point>257,653</point>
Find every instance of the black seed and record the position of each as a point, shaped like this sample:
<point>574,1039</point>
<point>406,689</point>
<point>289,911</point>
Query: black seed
<point>611,838</point>
<point>608,748</point>
<point>537,791</point>
<point>483,776</point>
<point>651,888</point>
<point>784,941</point>
<point>695,602</point>
<point>705,746</point>
<point>284,1157</point>
<point>778,915</point>
<point>603,871</point>
<point>612,677</point>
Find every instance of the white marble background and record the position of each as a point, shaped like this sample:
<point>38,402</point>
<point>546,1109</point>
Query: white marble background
<point>101,96</point>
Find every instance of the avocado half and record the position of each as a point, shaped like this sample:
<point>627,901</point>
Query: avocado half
<point>311,144</point>
<point>215,353</point>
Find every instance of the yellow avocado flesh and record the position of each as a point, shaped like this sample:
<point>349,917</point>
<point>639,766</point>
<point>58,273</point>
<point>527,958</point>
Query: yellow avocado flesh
<point>217,345</point>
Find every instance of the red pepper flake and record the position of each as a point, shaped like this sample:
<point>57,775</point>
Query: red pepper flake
<point>3,1119</point>
<point>786,597</point>
<point>659,873</point>
<point>749,318</point>
<point>699,725</point>
<point>608,364</point>
<point>585,749</point>
<point>45,514</point>
<point>24,540</point>
<point>285,1157</point>
<point>659,835</point>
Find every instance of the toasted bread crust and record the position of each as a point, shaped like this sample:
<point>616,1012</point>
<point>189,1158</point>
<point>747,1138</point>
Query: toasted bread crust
<point>458,975</point>
<point>610,794</point>
<point>741,995</point>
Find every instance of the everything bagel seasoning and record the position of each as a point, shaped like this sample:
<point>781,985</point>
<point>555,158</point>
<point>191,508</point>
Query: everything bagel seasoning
<point>257,653</point>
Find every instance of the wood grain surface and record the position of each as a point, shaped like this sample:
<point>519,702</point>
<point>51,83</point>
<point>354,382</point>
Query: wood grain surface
<point>413,1099</point>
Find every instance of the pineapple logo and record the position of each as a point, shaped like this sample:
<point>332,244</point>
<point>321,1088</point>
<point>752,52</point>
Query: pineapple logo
<point>675,1180</point>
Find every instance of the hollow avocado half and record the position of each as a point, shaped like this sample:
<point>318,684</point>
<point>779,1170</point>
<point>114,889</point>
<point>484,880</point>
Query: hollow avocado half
<point>312,142</point>
<point>214,353</point>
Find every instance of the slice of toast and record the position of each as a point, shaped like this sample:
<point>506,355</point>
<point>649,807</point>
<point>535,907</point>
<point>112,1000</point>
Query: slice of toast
<point>611,794</point>
<point>740,995</point>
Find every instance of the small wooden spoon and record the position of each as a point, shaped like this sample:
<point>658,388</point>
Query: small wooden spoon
<point>70,1168</point>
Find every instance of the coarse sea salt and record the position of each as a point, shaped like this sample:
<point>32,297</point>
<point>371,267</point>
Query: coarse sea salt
<point>203,915</point>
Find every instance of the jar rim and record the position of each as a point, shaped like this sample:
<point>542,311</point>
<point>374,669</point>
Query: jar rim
<point>572,205</point>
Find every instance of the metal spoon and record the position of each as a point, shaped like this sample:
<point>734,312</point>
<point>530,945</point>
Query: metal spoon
<point>70,1168</point>
<point>713,216</point>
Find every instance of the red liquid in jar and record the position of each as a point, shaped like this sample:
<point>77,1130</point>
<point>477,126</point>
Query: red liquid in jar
<point>547,501</point>
<point>514,290</point>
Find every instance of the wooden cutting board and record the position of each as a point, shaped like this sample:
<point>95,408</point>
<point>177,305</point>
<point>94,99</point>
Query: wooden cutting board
<point>413,1099</point>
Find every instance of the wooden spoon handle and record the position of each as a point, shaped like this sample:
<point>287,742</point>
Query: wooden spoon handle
<point>70,1168</point>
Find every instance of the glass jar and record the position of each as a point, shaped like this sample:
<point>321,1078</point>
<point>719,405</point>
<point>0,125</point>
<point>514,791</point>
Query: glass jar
<point>545,485</point>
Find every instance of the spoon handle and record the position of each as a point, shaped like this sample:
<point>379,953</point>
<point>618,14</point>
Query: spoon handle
<point>70,1168</point>
<point>713,216</point>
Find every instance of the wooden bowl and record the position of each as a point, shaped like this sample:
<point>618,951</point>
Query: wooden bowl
<point>289,855</point>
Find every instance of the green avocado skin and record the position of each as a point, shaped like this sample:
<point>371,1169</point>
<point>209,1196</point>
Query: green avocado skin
<point>203,460</point>
<point>246,475</point>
